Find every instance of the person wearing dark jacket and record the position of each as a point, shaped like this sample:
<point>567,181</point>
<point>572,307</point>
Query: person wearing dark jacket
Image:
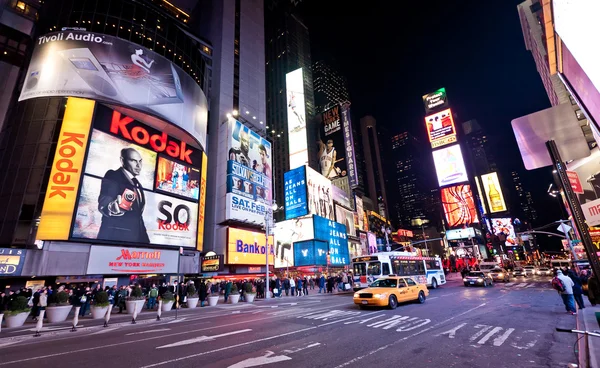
<point>202,292</point>
<point>228,290</point>
<point>577,288</point>
<point>593,289</point>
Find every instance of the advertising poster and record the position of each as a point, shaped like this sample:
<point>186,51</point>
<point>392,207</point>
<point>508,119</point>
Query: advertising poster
<point>118,201</point>
<point>493,192</point>
<point>364,243</point>
<point>320,201</point>
<point>296,201</point>
<point>310,253</point>
<point>202,204</point>
<point>121,260</point>
<point>504,226</point>
<point>178,179</point>
<point>336,144</point>
<point>11,261</point>
<point>360,218</point>
<point>287,233</point>
<point>340,196</point>
<point>296,118</point>
<point>588,171</point>
<point>449,166</point>
<point>435,100</point>
<point>63,184</point>
<point>440,128</point>
<point>249,174</point>
<point>334,234</point>
<point>346,217</point>
<point>372,240</point>
<point>248,247</point>
<point>459,206</point>
<point>110,69</point>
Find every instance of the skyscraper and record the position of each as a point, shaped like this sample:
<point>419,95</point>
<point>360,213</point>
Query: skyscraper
<point>407,189</point>
<point>331,87</point>
<point>375,183</point>
<point>480,147</point>
<point>287,48</point>
<point>525,200</point>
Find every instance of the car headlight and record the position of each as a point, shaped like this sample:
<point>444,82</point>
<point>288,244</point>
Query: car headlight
<point>465,279</point>
<point>500,275</point>
<point>379,296</point>
<point>356,295</point>
<point>480,280</point>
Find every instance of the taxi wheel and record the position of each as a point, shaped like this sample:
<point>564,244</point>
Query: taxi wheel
<point>392,302</point>
<point>421,297</point>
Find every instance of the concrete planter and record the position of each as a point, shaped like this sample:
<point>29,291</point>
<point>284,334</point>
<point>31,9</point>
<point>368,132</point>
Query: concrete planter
<point>99,312</point>
<point>234,298</point>
<point>166,306</point>
<point>16,320</point>
<point>213,300</point>
<point>134,305</point>
<point>192,302</point>
<point>250,297</point>
<point>58,313</point>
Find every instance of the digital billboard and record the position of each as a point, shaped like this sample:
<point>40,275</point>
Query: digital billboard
<point>449,165</point>
<point>110,69</point>
<point>118,201</point>
<point>248,247</point>
<point>360,217</point>
<point>202,203</point>
<point>320,198</point>
<point>296,118</point>
<point>459,205</point>
<point>588,172</point>
<point>176,178</point>
<point>336,144</point>
<point>340,196</point>
<point>294,188</point>
<point>63,185</point>
<point>504,227</point>
<point>287,233</point>
<point>334,234</point>
<point>440,128</point>
<point>493,192</point>
<point>435,100</point>
<point>310,253</point>
<point>346,217</point>
<point>249,174</point>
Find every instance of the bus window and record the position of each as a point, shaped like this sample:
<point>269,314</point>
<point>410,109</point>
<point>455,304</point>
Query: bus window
<point>420,267</point>
<point>374,269</point>
<point>386,269</point>
<point>360,269</point>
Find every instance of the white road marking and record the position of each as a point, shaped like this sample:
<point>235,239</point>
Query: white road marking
<point>435,297</point>
<point>489,334</point>
<point>177,320</point>
<point>452,332</point>
<point>265,359</point>
<point>509,284</point>
<point>303,348</point>
<point>526,346</point>
<point>482,329</point>
<point>500,339</point>
<point>148,331</point>
<point>202,338</point>
<point>523,284</point>
<point>365,320</point>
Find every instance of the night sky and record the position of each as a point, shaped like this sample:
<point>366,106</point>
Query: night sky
<point>393,55</point>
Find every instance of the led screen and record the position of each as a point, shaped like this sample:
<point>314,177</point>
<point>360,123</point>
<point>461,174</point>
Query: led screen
<point>493,192</point>
<point>504,227</point>
<point>176,178</point>
<point>287,233</point>
<point>346,217</point>
<point>296,118</point>
<point>320,197</point>
<point>440,128</point>
<point>248,247</point>
<point>449,166</point>
<point>296,202</point>
<point>334,234</point>
<point>459,206</point>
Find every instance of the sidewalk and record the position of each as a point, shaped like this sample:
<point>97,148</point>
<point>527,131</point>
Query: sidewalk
<point>589,346</point>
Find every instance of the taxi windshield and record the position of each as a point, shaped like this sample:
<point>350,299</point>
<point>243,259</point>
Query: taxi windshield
<point>387,283</point>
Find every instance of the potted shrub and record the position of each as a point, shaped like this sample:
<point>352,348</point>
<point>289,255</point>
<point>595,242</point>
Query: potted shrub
<point>168,298</point>
<point>58,308</point>
<point>135,301</point>
<point>250,292</point>
<point>213,299</point>
<point>192,296</point>
<point>17,312</point>
<point>101,305</point>
<point>235,295</point>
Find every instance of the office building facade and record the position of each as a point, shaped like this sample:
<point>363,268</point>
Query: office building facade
<point>331,87</point>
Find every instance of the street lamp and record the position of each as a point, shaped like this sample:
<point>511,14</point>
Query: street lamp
<point>268,226</point>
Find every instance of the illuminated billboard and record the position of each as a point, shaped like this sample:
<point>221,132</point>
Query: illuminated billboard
<point>248,247</point>
<point>63,185</point>
<point>503,227</point>
<point>296,118</point>
<point>435,100</point>
<point>449,166</point>
<point>294,187</point>
<point>320,197</point>
<point>334,234</point>
<point>119,201</point>
<point>176,178</point>
<point>493,192</point>
<point>440,128</point>
<point>287,233</point>
<point>110,69</point>
<point>249,174</point>
<point>459,205</point>
<point>336,145</point>
<point>346,217</point>
<point>202,203</point>
<point>310,253</point>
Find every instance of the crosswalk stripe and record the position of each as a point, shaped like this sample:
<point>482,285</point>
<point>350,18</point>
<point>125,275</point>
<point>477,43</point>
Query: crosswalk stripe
<point>509,284</point>
<point>532,285</point>
<point>523,284</point>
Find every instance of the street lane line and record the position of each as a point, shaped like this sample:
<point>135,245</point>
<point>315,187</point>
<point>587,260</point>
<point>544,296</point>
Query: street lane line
<point>149,338</point>
<point>408,337</point>
<point>148,331</point>
<point>201,339</point>
<point>523,284</point>
<point>509,283</point>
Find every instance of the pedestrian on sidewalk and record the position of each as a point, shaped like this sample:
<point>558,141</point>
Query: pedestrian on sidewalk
<point>292,286</point>
<point>593,289</point>
<point>228,290</point>
<point>322,284</point>
<point>305,286</point>
<point>564,286</point>
<point>152,295</point>
<point>577,289</point>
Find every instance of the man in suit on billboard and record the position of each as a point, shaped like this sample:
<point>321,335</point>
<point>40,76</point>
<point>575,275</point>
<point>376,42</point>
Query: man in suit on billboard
<point>122,201</point>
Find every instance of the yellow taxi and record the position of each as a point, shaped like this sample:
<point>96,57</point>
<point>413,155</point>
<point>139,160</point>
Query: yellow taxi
<point>389,291</point>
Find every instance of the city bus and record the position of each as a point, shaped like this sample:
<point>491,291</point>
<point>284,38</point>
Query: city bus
<point>425,270</point>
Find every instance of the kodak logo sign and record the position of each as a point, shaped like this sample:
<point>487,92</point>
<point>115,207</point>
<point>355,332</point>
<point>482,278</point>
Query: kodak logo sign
<point>62,181</point>
<point>129,129</point>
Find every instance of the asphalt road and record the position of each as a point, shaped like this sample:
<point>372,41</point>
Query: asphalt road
<point>508,325</point>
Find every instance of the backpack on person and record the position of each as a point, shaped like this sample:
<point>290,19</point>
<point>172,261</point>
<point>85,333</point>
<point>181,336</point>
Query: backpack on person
<point>558,285</point>
<point>153,293</point>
